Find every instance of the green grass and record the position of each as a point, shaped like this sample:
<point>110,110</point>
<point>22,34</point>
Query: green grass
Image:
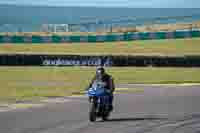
<point>177,47</point>
<point>33,82</point>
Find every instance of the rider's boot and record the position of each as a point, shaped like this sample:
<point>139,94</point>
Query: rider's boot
<point>111,107</point>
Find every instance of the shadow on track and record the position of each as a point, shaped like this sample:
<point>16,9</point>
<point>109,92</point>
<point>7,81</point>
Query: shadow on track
<point>134,119</point>
<point>153,118</point>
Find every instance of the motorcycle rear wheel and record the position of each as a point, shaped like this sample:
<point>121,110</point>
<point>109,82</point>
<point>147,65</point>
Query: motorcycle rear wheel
<point>105,117</point>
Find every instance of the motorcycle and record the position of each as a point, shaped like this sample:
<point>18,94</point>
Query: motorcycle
<point>99,103</point>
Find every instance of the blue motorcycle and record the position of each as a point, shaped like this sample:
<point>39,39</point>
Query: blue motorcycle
<point>99,103</point>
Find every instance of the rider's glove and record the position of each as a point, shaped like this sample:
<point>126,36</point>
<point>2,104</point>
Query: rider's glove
<point>108,91</point>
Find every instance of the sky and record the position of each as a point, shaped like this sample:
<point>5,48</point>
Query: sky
<point>110,3</point>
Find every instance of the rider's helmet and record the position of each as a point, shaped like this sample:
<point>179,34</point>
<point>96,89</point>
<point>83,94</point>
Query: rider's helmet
<point>100,71</point>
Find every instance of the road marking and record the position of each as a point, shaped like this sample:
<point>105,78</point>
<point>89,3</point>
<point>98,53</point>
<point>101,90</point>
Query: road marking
<point>19,106</point>
<point>15,106</point>
<point>5,110</point>
<point>189,84</point>
<point>25,106</point>
<point>84,95</point>
<point>119,90</point>
<point>123,88</point>
<point>175,84</point>
<point>56,100</point>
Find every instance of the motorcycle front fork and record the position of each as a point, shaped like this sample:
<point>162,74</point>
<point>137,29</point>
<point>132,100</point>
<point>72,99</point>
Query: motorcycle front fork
<point>97,104</point>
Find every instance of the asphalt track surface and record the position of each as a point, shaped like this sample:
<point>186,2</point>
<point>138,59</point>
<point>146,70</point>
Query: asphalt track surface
<point>156,110</point>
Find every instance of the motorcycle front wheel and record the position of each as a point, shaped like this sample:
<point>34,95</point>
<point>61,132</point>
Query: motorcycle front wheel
<point>92,113</point>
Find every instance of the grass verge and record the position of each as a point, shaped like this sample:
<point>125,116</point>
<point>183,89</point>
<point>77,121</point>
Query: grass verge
<point>174,47</point>
<point>19,83</point>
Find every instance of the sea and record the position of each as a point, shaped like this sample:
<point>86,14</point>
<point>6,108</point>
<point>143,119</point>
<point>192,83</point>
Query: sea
<point>15,18</point>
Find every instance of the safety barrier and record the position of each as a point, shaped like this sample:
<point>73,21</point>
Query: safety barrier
<point>99,38</point>
<point>108,60</point>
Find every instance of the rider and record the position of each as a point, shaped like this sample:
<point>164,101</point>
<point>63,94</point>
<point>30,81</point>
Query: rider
<point>107,80</point>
